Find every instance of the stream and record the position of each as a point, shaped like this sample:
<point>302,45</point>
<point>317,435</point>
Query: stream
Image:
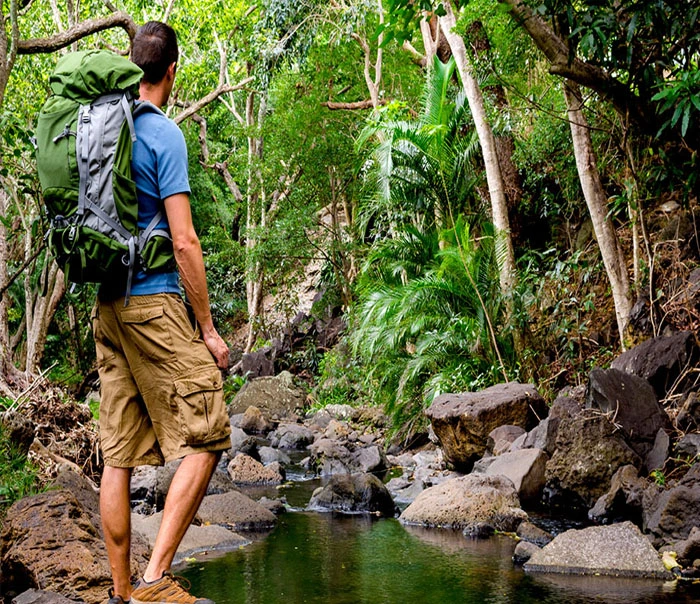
<point>335,559</point>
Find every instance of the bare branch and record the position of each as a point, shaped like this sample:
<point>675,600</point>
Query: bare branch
<point>168,11</point>
<point>210,98</point>
<point>81,30</point>
<point>354,106</point>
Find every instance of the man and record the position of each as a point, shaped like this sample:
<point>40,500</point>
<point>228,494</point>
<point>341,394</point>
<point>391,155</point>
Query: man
<point>162,395</point>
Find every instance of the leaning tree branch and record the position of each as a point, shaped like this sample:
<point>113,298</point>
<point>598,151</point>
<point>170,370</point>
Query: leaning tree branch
<point>210,98</point>
<point>77,32</point>
<point>557,52</point>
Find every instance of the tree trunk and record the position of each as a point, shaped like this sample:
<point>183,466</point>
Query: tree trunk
<point>494,178</point>
<point>505,145</point>
<point>596,200</point>
<point>42,311</point>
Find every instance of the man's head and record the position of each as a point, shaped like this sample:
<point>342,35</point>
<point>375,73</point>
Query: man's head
<point>154,50</point>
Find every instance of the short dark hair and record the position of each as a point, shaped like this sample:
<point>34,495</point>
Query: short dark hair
<point>154,49</point>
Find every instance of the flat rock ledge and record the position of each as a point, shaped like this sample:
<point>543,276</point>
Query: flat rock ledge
<point>618,550</point>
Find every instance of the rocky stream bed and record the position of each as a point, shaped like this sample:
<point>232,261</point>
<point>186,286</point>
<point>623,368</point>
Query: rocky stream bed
<point>615,458</point>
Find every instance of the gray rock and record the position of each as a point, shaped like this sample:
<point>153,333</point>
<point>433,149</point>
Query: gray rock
<point>533,534</point>
<point>524,551</point>
<point>370,459</point>
<point>632,405</point>
<point>35,596</point>
<point>589,451</point>
<point>244,470</point>
<point>462,422</point>
<point>275,396</point>
<point>624,499</point>
<point>467,501</point>
<point>220,483</point>
<point>329,457</point>
<point>500,439</point>
<point>671,514</point>
<point>257,364</point>
<point>525,468</point>
<point>269,454</point>
<point>404,490</point>
<point>237,511</point>
<point>618,550</point>
<point>242,442</point>
<point>143,483</point>
<point>688,550</point>
<point>656,458</point>
<point>688,446</point>
<point>197,539</point>
<point>660,360</point>
<point>353,493</point>
<point>291,436</point>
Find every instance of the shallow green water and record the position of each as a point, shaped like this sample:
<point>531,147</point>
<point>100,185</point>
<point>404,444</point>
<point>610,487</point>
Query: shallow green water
<point>330,559</point>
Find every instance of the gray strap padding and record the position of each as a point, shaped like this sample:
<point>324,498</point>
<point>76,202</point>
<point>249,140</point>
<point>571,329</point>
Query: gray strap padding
<point>146,234</point>
<point>127,114</point>
<point>132,264</point>
<point>82,145</point>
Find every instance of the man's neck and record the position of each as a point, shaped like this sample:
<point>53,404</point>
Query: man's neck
<point>154,93</point>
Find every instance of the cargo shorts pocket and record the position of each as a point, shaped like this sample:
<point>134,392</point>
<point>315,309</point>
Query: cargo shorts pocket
<point>203,416</point>
<point>147,327</point>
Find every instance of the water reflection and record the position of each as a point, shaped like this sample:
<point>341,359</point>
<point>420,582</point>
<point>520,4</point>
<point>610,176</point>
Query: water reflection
<point>324,558</point>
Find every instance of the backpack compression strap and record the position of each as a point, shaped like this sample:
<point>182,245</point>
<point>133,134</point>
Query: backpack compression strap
<point>94,130</point>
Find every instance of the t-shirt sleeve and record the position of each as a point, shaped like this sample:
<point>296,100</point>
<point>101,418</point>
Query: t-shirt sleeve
<point>172,162</point>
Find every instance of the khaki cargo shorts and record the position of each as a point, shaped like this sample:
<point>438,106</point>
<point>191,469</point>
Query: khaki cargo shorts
<point>161,391</point>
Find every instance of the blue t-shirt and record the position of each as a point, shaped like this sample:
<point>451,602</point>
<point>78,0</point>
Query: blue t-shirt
<point>159,169</point>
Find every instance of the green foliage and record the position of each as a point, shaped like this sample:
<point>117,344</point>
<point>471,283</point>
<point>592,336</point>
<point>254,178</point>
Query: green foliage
<point>340,379</point>
<point>18,476</point>
<point>428,333</point>
<point>680,101</point>
<point>421,171</point>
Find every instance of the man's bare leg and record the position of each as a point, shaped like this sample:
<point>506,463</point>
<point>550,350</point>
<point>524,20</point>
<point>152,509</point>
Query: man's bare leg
<point>115,511</point>
<point>186,492</point>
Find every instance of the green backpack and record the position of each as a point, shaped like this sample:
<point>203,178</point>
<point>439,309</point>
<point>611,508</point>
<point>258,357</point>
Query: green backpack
<point>84,139</point>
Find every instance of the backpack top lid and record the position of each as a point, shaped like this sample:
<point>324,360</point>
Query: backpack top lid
<point>82,76</point>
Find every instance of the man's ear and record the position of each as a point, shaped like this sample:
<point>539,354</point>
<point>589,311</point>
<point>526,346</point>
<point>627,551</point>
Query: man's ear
<point>172,70</point>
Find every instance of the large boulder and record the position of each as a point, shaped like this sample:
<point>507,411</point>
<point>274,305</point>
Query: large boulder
<point>352,493</point>
<point>660,361</point>
<point>462,422</point>
<point>624,499</point>
<point>35,529</point>
<point>276,396</point>
<point>631,404</point>
<point>244,470</point>
<point>236,511</point>
<point>466,502</point>
<point>589,450</point>
<point>670,514</point>
<point>329,457</point>
<point>619,550</point>
<point>291,436</point>
<point>525,468</point>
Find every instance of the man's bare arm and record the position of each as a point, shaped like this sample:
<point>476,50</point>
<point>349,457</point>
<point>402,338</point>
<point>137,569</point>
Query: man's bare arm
<point>188,255</point>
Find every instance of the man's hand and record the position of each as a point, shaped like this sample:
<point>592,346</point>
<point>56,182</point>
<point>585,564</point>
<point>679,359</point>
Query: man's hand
<point>217,347</point>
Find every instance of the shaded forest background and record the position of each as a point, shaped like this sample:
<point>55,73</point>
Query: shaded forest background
<point>488,191</point>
